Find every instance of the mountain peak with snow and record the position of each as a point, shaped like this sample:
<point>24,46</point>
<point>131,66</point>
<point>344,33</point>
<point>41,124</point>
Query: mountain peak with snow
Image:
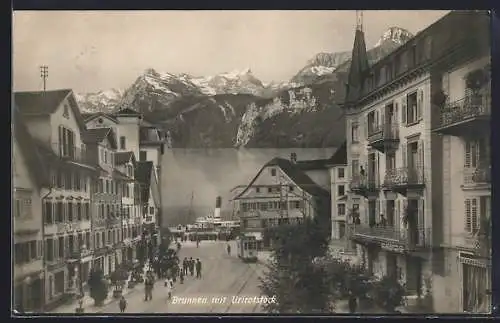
<point>395,34</point>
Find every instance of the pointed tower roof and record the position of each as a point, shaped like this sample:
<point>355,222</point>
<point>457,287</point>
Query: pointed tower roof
<point>359,63</point>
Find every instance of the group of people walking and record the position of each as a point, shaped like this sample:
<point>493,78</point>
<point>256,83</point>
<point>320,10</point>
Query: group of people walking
<point>190,265</point>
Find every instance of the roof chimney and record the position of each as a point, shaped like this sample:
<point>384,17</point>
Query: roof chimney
<point>293,157</point>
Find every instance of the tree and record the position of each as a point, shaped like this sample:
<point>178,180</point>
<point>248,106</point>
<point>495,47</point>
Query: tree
<point>388,293</point>
<point>98,288</point>
<point>296,282</point>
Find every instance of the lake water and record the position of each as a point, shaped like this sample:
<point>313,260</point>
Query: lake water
<point>208,173</point>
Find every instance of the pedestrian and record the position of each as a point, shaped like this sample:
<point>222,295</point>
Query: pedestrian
<point>148,286</point>
<point>353,303</point>
<point>228,249</point>
<point>198,268</point>
<point>169,284</point>
<point>185,266</point>
<point>191,266</point>
<point>181,276</point>
<point>123,304</point>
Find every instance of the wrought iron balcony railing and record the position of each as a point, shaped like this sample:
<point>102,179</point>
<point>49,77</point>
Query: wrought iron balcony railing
<point>72,153</point>
<point>404,176</point>
<point>405,238</point>
<point>364,182</point>
<point>387,131</point>
<point>477,175</point>
<point>469,107</point>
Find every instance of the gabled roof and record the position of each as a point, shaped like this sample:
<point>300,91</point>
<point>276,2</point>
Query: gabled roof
<point>124,157</point>
<point>296,175</point>
<point>313,164</point>
<point>97,135</point>
<point>340,156</point>
<point>29,149</point>
<point>127,112</point>
<point>143,171</point>
<point>39,103</point>
<point>91,116</point>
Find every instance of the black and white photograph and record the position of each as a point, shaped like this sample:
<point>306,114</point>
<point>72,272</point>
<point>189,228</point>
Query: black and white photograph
<point>251,162</point>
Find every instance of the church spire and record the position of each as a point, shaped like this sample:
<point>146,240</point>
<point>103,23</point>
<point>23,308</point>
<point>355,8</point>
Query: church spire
<point>359,20</point>
<point>359,63</point>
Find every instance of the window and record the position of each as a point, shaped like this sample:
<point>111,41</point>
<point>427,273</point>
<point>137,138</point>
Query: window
<point>68,179</point>
<point>340,209</point>
<point>471,216</point>
<point>22,205</point>
<point>273,171</point>
<point>476,153</point>
<point>355,167</point>
<point>390,161</point>
<point>77,181</point>
<point>78,208</point>
<point>151,210</point>
<point>354,133</point>
<point>290,188</point>
<point>59,282</point>
<point>269,189</point>
<point>341,190</point>
<point>257,189</point>
<point>122,142</point>
<point>66,111</point>
<point>411,108</point>
<point>66,142</point>
<point>340,172</point>
<point>143,155</point>
<point>47,212</point>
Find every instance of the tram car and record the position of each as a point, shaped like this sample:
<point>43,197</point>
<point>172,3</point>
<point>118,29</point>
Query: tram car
<point>247,248</point>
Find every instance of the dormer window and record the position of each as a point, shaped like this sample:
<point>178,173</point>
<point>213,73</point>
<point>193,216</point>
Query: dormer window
<point>273,171</point>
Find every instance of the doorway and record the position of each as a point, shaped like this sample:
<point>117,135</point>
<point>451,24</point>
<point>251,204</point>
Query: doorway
<point>413,275</point>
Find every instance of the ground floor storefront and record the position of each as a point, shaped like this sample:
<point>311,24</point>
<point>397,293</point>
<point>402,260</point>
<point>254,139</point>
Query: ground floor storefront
<point>56,280</point>
<point>29,293</point>
<point>413,271</point>
<point>464,285</point>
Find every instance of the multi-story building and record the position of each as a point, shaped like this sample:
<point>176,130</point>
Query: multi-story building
<point>462,110</point>
<point>138,136</point>
<point>106,199</point>
<point>394,158</point>
<point>338,192</point>
<point>30,183</point>
<point>131,213</point>
<point>280,193</point>
<point>144,173</point>
<point>55,124</point>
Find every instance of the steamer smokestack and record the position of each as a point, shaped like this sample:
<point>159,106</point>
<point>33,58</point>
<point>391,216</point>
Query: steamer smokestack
<point>218,203</point>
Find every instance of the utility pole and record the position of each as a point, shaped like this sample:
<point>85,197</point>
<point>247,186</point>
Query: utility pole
<point>44,74</point>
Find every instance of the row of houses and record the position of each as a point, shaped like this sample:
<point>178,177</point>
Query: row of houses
<point>86,194</point>
<point>410,191</point>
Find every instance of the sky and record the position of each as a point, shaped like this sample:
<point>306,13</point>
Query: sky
<point>89,51</point>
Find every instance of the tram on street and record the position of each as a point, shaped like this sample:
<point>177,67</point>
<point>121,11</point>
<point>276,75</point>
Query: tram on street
<point>247,248</point>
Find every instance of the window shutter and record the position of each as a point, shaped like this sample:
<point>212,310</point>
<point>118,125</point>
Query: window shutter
<point>474,216</point>
<point>395,113</point>
<point>365,127</point>
<point>403,111</point>
<point>420,155</point>
<point>397,214</point>
<point>39,251</point>
<point>467,152</point>
<point>421,218</point>
<point>420,104</point>
<point>468,215</point>
<point>403,155</point>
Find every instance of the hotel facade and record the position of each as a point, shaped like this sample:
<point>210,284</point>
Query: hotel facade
<point>398,160</point>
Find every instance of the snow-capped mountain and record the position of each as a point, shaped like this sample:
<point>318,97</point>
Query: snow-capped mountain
<point>235,109</point>
<point>99,101</point>
<point>324,64</point>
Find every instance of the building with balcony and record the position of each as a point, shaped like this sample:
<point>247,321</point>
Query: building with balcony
<point>462,116</point>
<point>30,183</point>
<point>106,199</point>
<point>55,124</point>
<point>281,193</point>
<point>135,134</point>
<point>131,205</point>
<point>144,174</point>
<point>397,150</point>
<point>388,117</point>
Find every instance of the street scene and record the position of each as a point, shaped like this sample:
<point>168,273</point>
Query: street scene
<point>223,277</point>
<point>239,162</point>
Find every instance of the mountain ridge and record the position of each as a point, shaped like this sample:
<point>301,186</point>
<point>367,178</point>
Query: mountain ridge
<point>236,109</point>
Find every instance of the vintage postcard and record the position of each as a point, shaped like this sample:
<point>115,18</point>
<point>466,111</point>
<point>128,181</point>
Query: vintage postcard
<point>251,162</point>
